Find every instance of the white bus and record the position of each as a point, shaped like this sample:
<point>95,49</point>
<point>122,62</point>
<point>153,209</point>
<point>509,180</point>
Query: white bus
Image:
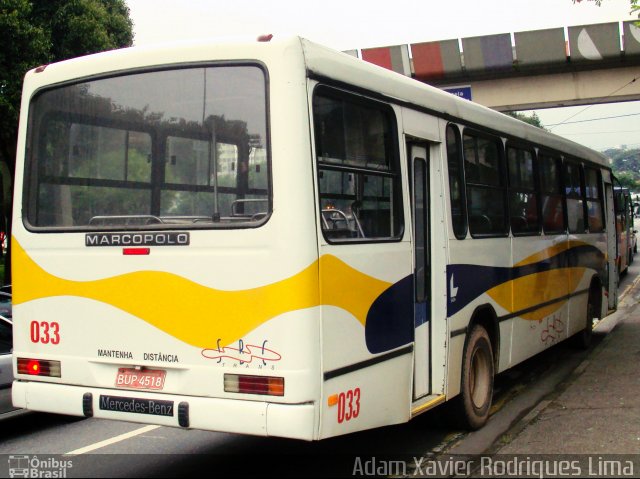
<point>274,238</point>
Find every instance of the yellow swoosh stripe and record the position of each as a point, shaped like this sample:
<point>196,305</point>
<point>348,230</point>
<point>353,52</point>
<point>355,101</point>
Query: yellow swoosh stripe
<point>199,315</point>
<point>534,289</point>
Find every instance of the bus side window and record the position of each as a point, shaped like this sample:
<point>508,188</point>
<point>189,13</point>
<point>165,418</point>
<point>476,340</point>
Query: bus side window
<point>523,198</point>
<point>456,182</point>
<point>358,167</point>
<point>486,188</point>
<point>574,195</point>
<point>595,209</point>
<point>552,198</point>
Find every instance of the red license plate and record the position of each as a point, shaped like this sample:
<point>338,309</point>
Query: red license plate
<point>128,378</point>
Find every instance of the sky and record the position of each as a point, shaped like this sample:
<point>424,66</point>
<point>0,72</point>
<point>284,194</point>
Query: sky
<point>356,24</point>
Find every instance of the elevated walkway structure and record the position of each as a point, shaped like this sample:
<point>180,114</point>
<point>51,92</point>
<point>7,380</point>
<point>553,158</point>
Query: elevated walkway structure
<point>527,70</point>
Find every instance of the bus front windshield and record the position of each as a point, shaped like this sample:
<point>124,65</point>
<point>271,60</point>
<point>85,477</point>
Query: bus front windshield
<point>174,148</point>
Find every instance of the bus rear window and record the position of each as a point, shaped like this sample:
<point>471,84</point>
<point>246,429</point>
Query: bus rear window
<point>182,148</point>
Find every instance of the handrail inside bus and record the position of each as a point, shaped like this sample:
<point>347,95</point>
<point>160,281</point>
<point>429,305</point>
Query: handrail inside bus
<point>125,219</point>
<point>235,204</point>
<point>336,216</point>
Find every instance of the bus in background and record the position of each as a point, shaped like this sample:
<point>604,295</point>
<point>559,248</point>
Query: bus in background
<point>274,238</point>
<point>6,320</point>
<point>625,229</point>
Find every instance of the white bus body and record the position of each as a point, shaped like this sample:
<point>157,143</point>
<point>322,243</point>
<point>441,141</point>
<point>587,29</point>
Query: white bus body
<point>258,238</point>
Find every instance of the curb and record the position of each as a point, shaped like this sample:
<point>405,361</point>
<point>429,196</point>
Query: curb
<point>530,417</point>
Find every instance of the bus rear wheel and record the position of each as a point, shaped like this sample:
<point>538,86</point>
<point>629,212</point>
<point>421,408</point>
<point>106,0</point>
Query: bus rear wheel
<point>477,379</point>
<point>583,339</point>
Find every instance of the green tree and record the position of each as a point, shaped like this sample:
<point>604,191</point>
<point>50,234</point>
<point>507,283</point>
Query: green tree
<point>37,32</point>
<point>534,119</point>
<point>24,45</point>
<point>625,164</point>
<point>626,179</point>
<point>635,5</point>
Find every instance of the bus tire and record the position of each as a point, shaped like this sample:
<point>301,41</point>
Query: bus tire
<point>476,388</point>
<point>582,340</point>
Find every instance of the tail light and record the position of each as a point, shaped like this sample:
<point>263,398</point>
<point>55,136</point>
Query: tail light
<point>266,385</point>
<point>39,367</point>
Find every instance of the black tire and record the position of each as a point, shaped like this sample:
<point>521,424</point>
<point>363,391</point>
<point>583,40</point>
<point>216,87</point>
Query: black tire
<point>583,339</point>
<point>476,387</point>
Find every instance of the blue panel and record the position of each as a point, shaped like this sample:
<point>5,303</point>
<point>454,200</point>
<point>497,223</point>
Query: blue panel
<point>423,313</point>
<point>465,282</point>
<point>460,91</point>
<point>390,322</point>
<point>492,52</point>
<point>497,51</point>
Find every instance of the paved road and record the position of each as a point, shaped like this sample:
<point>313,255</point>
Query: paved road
<point>127,449</point>
<point>116,449</point>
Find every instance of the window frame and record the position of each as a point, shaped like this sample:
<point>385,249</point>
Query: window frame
<point>558,160</point>
<point>501,187</point>
<point>458,161</point>
<point>515,145</point>
<point>158,149</point>
<point>579,164</point>
<point>599,185</point>
<point>394,172</point>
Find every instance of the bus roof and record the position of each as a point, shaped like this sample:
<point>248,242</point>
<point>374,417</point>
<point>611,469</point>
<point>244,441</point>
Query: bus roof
<point>324,62</point>
<point>321,62</point>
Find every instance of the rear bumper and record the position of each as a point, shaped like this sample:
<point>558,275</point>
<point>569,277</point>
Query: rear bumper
<point>296,421</point>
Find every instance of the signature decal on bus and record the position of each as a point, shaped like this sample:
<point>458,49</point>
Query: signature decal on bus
<point>243,354</point>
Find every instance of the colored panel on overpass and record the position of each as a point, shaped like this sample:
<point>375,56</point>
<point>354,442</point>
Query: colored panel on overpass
<point>540,47</point>
<point>394,58</point>
<point>432,60</point>
<point>594,42</point>
<point>631,39</point>
<point>491,52</point>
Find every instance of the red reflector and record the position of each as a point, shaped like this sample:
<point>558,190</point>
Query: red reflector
<point>136,251</point>
<point>41,68</point>
<point>267,385</point>
<point>252,385</point>
<point>265,38</point>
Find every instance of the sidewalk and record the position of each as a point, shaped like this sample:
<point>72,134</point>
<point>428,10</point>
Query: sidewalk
<point>598,412</point>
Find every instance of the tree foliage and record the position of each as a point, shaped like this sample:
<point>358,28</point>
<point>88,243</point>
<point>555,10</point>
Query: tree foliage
<point>534,119</point>
<point>36,32</point>
<point>635,5</point>
<point>625,164</point>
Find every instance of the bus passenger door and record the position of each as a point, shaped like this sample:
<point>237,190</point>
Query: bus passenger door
<point>419,170</point>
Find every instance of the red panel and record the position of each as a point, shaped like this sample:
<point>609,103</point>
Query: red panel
<point>427,60</point>
<point>378,56</point>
